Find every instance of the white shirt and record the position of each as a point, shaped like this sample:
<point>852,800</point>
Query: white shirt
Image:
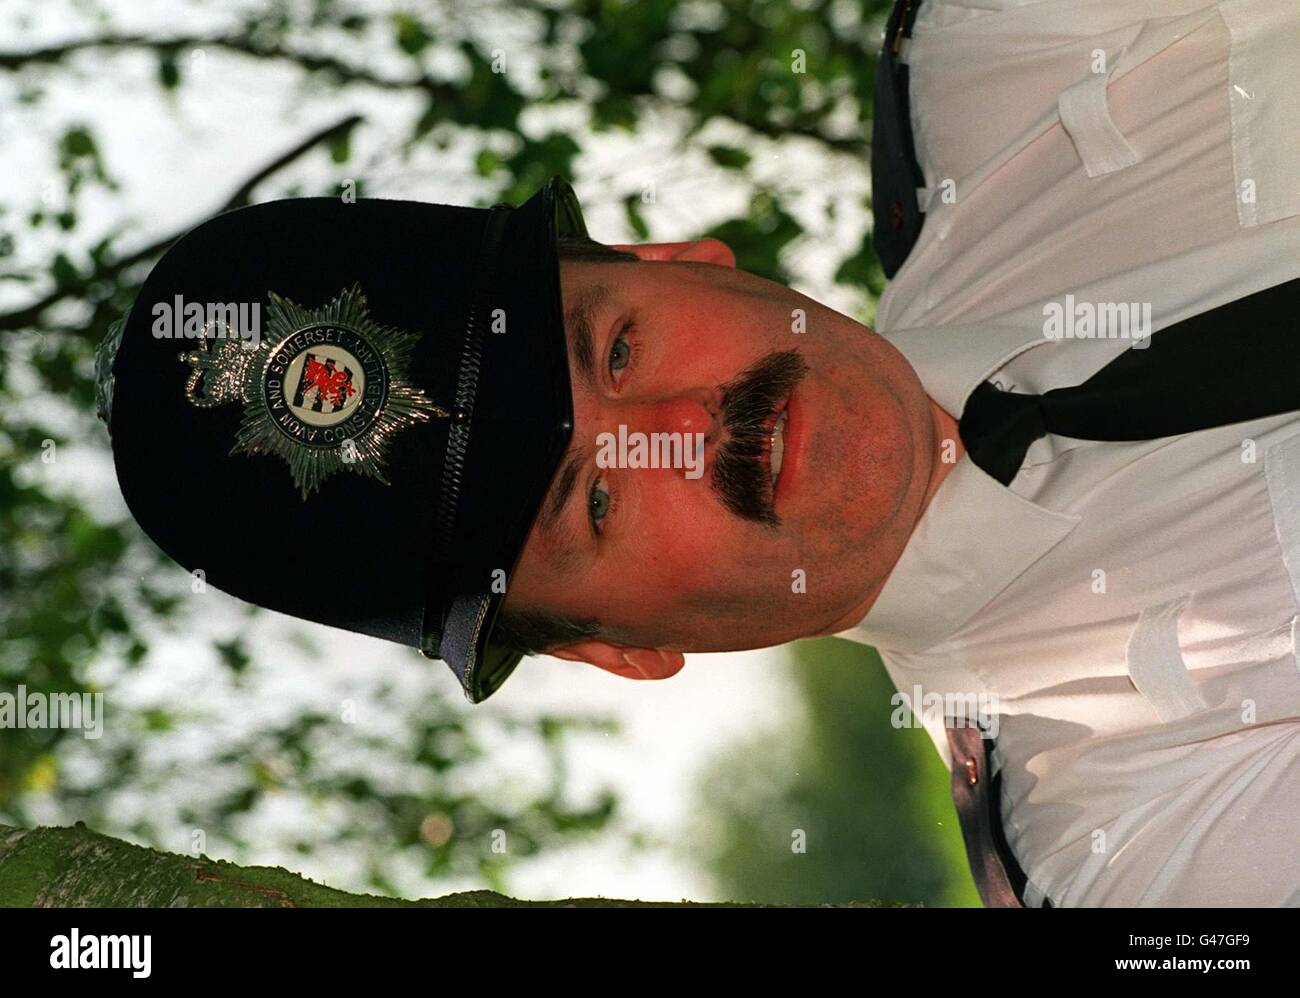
<point>1131,608</point>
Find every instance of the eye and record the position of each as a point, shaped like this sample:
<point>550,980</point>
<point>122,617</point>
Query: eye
<point>598,504</point>
<point>620,353</point>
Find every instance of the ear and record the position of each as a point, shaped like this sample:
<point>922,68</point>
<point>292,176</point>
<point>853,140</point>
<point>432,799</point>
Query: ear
<point>708,250</point>
<point>631,663</point>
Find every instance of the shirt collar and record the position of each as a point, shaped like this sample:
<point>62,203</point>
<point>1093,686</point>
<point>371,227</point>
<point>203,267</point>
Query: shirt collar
<point>951,360</point>
<point>976,536</point>
<point>972,541</point>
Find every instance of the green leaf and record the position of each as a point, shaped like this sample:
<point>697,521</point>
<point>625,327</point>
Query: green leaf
<point>433,115</point>
<point>341,146</point>
<point>632,209</point>
<point>412,37</point>
<point>486,163</point>
<point>487,100</point>
<point>63,271</point>
<point>759,239</point>
<point>729,157</point>
<point>169,71</point>
<point>157,719</point>
<point>233,656</point>
<point>76,142</point>
<point>863,269</point>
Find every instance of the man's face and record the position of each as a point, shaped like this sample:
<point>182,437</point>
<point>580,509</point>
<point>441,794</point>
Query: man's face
<point>680,342</point>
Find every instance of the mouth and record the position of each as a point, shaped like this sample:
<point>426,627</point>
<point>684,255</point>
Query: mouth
<point>755,464</point>
<point>776,441</point>
<point>777,452</point>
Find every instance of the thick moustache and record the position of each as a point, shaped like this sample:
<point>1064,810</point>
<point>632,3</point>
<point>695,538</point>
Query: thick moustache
<point>748,462</point>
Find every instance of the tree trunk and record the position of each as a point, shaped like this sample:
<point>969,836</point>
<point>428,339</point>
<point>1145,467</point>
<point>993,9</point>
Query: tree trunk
<point>76,867</point>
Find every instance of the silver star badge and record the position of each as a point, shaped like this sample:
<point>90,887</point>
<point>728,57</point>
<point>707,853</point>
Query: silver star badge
<point>325,390</point>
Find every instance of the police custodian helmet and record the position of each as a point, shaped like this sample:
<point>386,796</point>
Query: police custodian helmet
<point>371,455</point>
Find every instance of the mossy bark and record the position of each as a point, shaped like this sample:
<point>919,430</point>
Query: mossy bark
<point>76,867</point>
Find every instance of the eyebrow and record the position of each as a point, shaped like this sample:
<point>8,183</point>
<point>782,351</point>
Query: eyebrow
<point>562,491</point>
<point>578,325</point>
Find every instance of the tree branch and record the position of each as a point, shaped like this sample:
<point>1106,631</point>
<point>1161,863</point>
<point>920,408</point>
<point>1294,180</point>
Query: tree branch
<point>76,867</point>
<point>241,44</point>
<point>348,73</point>
<point>30,314</point>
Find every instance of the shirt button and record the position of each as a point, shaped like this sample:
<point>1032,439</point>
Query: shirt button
<point>972,771</point>
<point>896,215</point>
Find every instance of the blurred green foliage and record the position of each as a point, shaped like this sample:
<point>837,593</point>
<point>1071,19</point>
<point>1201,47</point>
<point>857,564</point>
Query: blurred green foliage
<point>850,808</point>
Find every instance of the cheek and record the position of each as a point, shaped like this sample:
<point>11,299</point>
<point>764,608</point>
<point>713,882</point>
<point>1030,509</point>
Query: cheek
<point>688,550</point>
<point>678,530</point>
<point>708,340</point>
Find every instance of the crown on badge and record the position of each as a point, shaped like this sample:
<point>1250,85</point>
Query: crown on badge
<point>220,373</point>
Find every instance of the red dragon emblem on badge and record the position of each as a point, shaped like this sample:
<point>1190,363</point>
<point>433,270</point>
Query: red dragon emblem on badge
<point>332,386</point>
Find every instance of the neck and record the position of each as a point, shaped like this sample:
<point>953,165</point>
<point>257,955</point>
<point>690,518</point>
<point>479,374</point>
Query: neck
<point>947,449</point>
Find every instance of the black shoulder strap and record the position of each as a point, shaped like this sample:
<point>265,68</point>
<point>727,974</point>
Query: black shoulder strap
<point>895,173</point>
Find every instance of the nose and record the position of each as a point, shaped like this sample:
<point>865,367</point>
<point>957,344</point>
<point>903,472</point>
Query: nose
<point>640,425</point>
<point>686,413</point>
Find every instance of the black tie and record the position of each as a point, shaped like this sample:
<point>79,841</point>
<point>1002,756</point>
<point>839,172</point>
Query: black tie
<point>1238,362</point>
